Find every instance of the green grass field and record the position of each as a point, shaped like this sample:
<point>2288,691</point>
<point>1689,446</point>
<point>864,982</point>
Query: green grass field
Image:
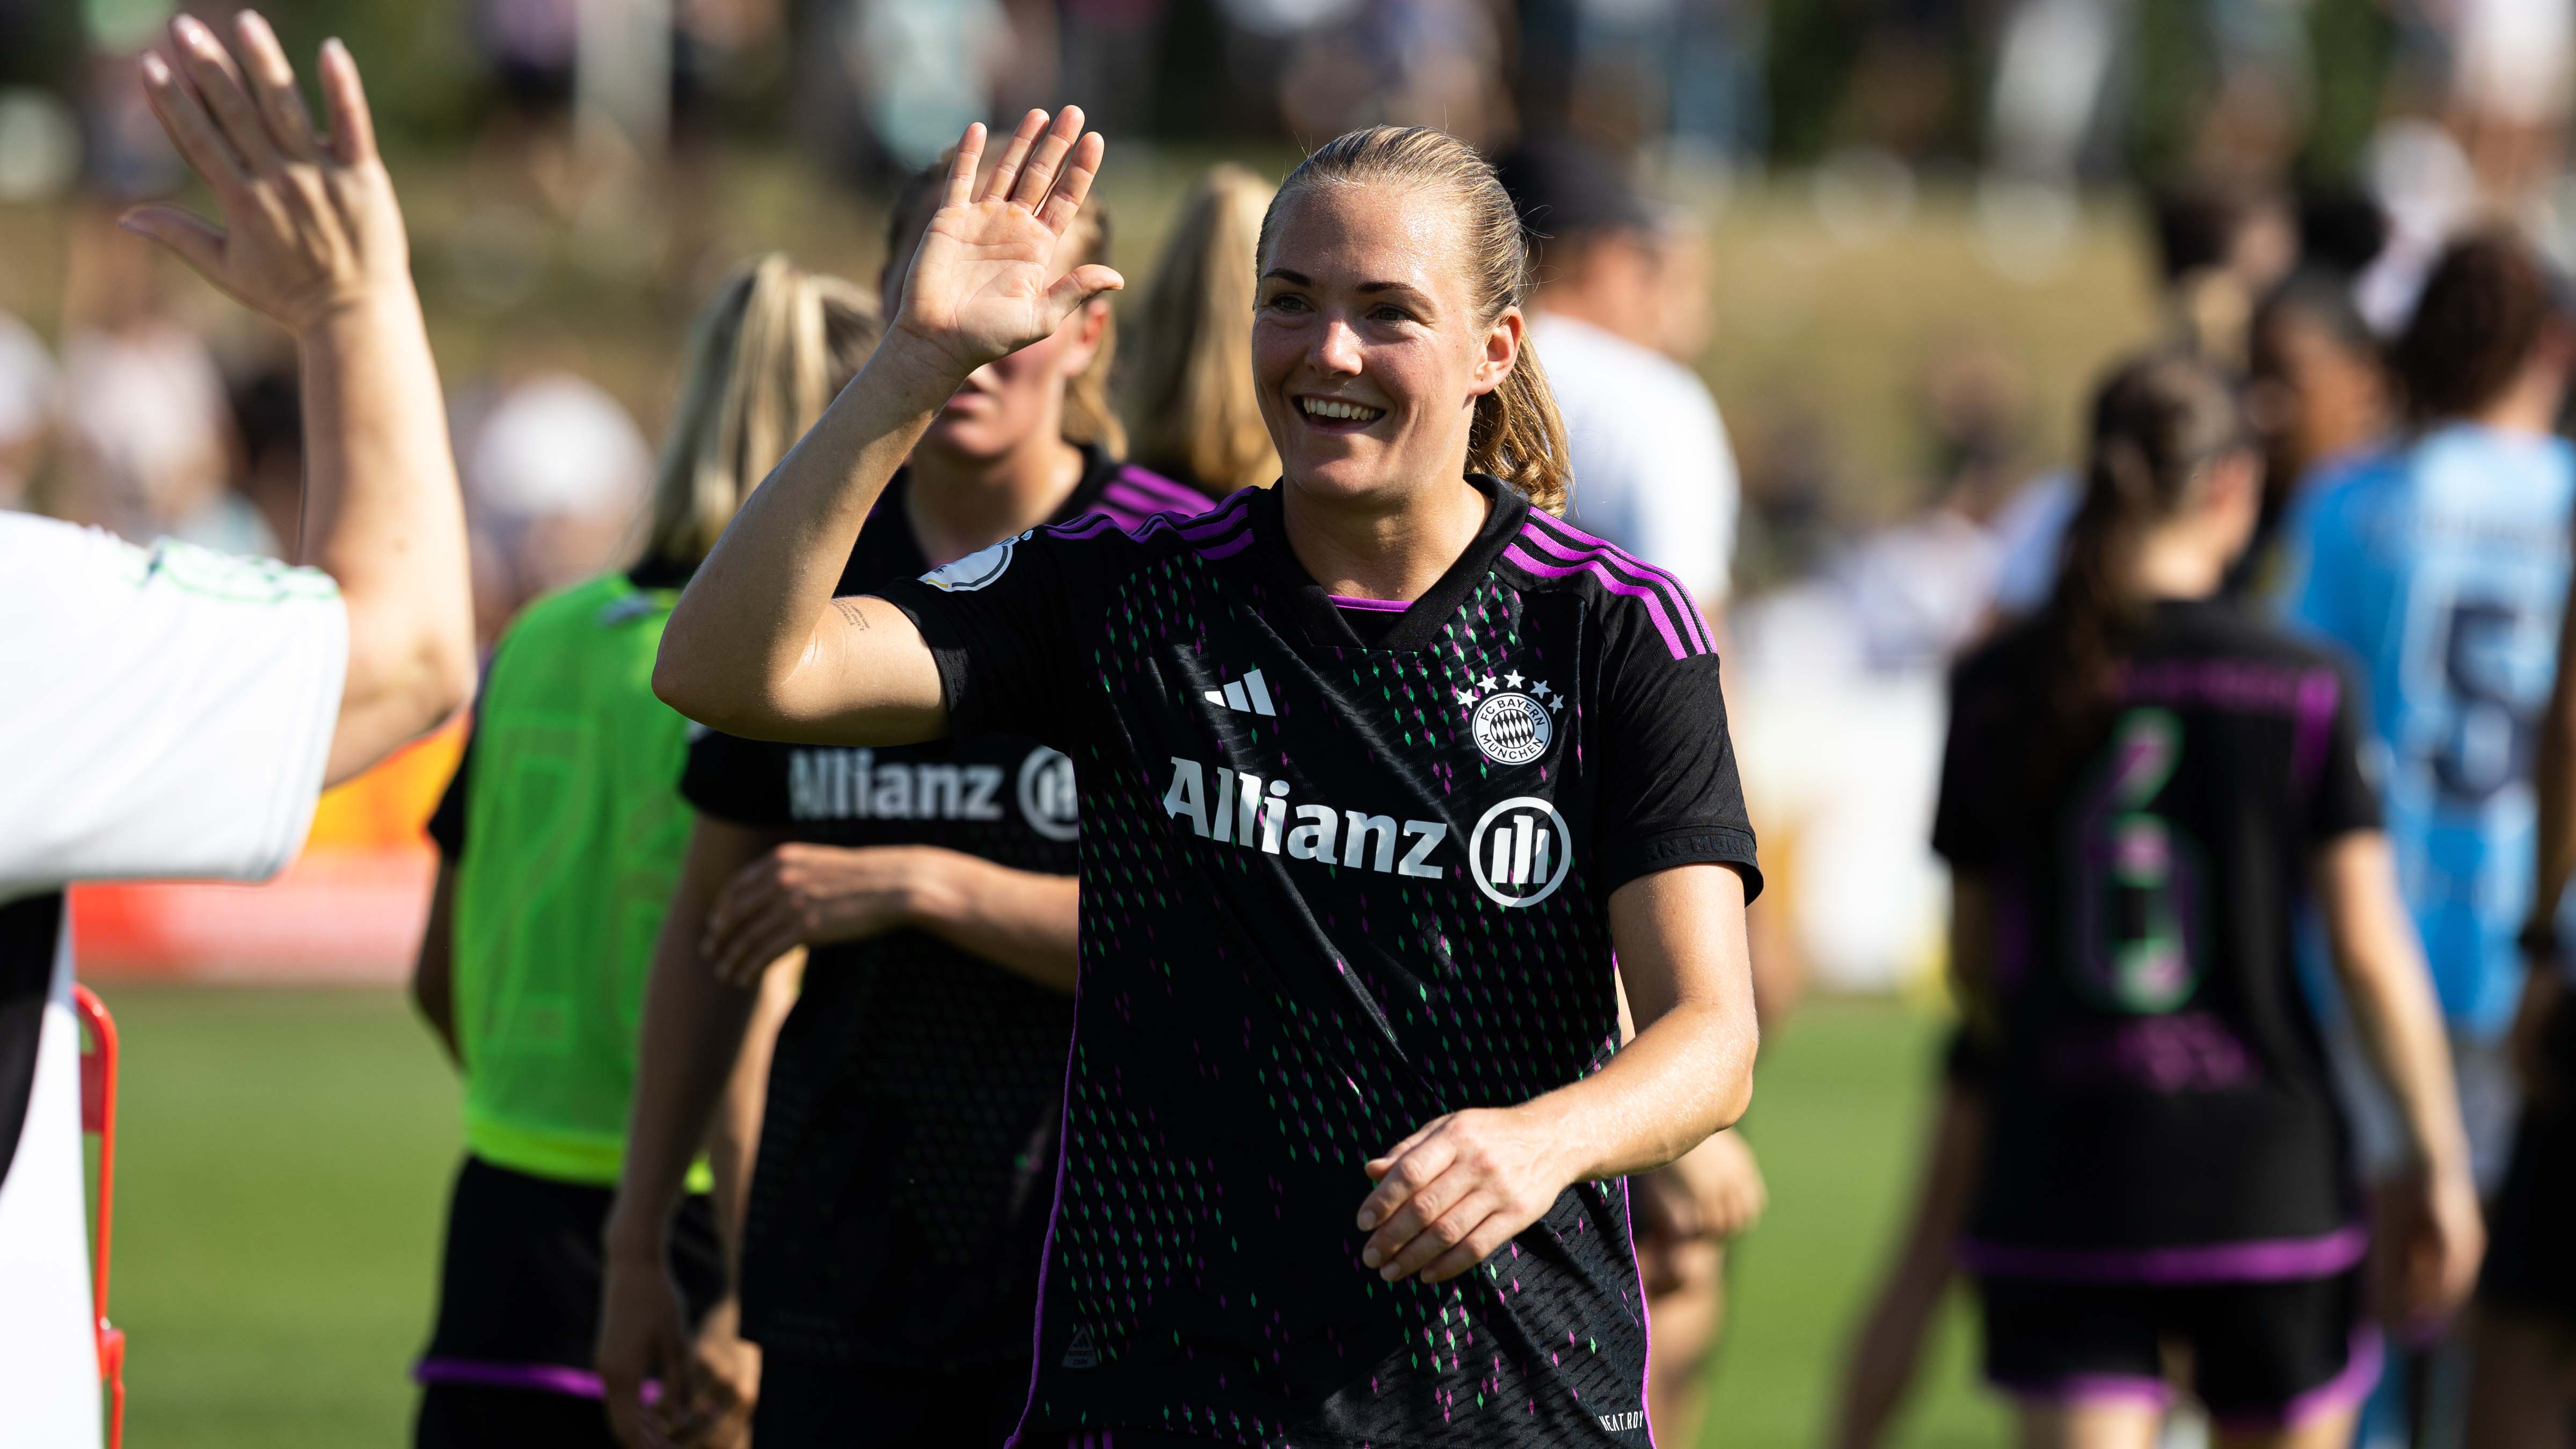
<point>285,1154</point>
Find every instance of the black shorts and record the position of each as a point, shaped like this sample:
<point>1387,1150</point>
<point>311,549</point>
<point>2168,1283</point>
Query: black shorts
<point>812,1403</point>
<point>2262,1355</point>
<point>2531,1246</point>
<point>509,1361</point>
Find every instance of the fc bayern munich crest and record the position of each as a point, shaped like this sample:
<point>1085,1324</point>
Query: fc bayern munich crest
<point>1513,719</point>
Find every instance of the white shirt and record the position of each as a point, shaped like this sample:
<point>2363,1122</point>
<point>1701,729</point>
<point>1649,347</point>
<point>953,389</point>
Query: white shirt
<point>1652,470</point>
<point>168,713</point>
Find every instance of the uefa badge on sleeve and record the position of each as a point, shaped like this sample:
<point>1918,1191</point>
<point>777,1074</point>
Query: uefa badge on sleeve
<point>977,570</point>
<point>1513,718</point>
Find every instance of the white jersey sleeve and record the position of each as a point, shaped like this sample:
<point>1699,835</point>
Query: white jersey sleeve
<point>1653,470</point>
<point>172,709</point>
<point>1687,515</point>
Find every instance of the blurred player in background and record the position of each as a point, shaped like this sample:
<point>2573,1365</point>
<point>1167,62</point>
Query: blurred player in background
<point>2142,788</point>
<point>2441,564</point>
<point>1285,999</point>
<point>889,1267</point>
<point>560,839</point>
<point>176,712</point>
<point>1652,469</point>
<point>1192,414</point>
<point>2522,1342</point>
<point>1653,474</point>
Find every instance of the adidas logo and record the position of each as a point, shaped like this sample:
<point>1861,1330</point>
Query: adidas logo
<point>1247,695</point>
<point>1080,1354</point>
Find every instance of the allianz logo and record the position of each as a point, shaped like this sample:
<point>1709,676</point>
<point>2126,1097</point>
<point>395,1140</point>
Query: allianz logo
<point>1247,812</point>
<point>850,784</point>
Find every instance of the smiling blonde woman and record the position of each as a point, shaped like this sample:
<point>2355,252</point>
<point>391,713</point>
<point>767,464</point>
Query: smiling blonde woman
<point>1379,767</point>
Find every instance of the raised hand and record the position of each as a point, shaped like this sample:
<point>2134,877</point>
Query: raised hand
<point>310,225</point>
<point>983,283</point>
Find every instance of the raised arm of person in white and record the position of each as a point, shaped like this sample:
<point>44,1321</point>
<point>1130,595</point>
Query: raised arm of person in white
<point>313,240</point>
<point>181,710</point>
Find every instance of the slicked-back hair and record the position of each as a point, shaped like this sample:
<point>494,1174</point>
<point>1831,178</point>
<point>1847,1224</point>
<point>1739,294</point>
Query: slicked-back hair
<point>1517,435</point>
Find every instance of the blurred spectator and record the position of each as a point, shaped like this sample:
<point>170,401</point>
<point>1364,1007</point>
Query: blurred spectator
<point>2220,250</point>
<point>2514,64</point>
<point>2220,245</point>
<point>1653,472</point>
<point>923,70</point>
<point>1790,475</point>
<point>1921,590</point>
<point>1685,287</point>
<point>268,422</point>
<point>146,450</point>
<point>29,387</point>
<point>554,473</point>
<point>2317,393</point>
<point>1400,62</point>
<point>1112,55</point>
<point>1634,71</point>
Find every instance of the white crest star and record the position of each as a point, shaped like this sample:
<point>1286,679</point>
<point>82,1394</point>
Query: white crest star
<point>1540,690</point>
<point>1467,697</point>
<point>1490,682</point>
<point>1514,679</point>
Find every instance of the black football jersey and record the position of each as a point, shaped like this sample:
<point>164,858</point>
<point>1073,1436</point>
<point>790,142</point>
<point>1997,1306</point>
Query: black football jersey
<point>907,1156</point>
<point>1334,885</point>
<point>2161,1106</point>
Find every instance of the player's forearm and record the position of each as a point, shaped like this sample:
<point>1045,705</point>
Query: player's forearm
<point>2381,964</point>
<point>1688,1072</point>
<point>733,1144</point>
<point>751,648</point>
<point>1023,921</point>
<point>693,1031</point>
<point>383,517</point>
<point>1687,1076</point>
<point>2401,1020</point>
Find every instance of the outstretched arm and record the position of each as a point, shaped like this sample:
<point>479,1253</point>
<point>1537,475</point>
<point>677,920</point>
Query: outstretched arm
<point>758,646</point>
<point>1453,1193</point>
<point>313,240</point>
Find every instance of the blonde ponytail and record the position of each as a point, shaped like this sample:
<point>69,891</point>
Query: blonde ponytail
<point>765,357</point>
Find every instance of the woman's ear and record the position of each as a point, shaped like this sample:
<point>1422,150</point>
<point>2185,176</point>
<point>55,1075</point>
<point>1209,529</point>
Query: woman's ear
<point>1503,343</point>
<point>2236,482</point>
<point>1082,333</point>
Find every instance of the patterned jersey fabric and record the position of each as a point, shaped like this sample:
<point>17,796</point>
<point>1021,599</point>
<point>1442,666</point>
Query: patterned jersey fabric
<point>1334,887</point>
<point>2161,1110</point>
<point>907,1154</point>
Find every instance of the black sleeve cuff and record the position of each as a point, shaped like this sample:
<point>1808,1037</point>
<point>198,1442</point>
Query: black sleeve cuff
<point>1684,845</point>
<point>949,650</point>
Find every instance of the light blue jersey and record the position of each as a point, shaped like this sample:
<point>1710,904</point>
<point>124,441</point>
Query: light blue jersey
<point>2442,565</point>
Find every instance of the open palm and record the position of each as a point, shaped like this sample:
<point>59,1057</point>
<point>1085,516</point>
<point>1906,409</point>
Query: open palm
<point>310,224</point>
<point>983,283</point>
